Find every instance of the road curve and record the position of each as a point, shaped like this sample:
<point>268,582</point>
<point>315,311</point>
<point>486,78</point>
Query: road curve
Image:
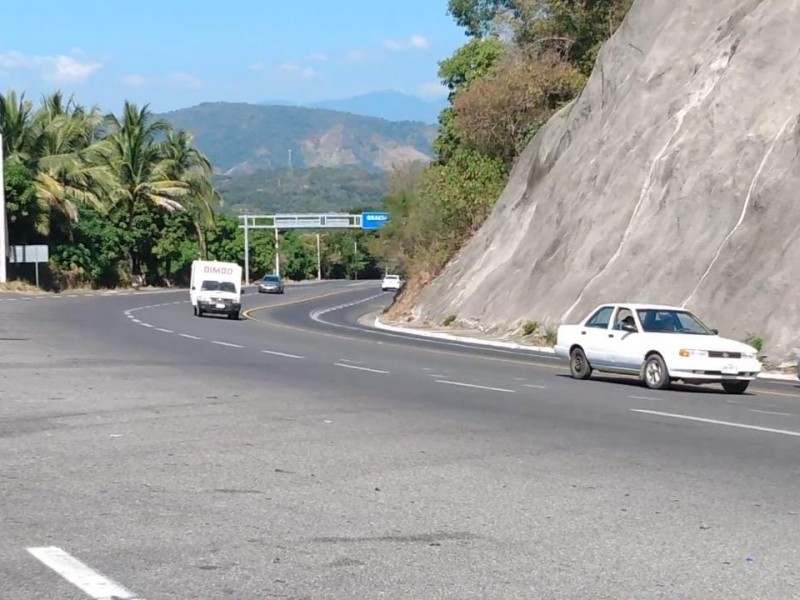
<point>297,453</point>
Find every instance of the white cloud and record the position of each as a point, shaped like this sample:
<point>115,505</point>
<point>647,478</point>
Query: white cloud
<point>53,69</point>
<point>416,41</point>
<point>186,80</point>
<point>355,56</point>
<point>433,90</point>
<point>297,70</point>
<point>319,57</point>
<point>134,80</point>
<point>259,66</point>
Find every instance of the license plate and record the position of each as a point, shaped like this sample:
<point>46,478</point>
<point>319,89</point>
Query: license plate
<point>730,370</point>
<point>220,305</point>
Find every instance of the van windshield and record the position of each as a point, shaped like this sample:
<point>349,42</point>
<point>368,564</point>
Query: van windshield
<point>218,286</point>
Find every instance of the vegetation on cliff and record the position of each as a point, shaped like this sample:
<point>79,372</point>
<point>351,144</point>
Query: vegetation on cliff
<point>522,62</point>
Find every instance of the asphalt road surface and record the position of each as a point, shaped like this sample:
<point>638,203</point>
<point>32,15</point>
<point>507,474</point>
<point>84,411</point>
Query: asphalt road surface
<point>147,453</point>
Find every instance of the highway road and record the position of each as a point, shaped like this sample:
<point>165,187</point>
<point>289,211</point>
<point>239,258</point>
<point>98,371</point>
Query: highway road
<point>300,454</point>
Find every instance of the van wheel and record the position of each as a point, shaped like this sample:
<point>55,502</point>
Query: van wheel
<point>234,316</point>
<point>656,376</point>
<point>579,366</point>
<point>194,310</point>
<point>199,312</point>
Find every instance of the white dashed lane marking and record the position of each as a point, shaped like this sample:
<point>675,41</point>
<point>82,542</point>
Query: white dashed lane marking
<point>228,344</point>
<point>284,354</point>
<point>90,582</point>
<point>476,386</point>
<point>357,368</point>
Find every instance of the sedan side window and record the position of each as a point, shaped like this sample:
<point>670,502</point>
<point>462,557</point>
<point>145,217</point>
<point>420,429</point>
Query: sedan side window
<point>624,317</point>
<point>601,318</point>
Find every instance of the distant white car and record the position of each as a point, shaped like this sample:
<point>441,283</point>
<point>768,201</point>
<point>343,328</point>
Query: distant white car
<point>391,282</point>
<point>660,344</point>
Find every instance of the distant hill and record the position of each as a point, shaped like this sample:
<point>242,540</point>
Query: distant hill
<point>318,189</point>
<point>242,138</point>
<point>385,104</point>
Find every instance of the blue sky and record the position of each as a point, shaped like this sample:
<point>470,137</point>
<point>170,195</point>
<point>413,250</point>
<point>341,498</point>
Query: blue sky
<point>177,53</point>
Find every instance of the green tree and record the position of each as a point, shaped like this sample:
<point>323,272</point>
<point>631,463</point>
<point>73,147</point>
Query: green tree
<point>26,218</point>
<point>467,64</point>
<point>478,17</point>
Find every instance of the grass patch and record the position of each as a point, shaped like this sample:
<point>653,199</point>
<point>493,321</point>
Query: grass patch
<point>20,286</point>
<point>755,341</point>
<point>449,320</point>
<point>530,327</point>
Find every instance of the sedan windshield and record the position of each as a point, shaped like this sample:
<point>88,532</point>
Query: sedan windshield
<point>271,278</point>
<point>671,321</point>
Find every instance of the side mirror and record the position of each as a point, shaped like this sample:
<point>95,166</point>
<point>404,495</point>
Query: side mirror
<point>243,291</point>
<point>193,287</point>
<point>629,328</point>
<point>715,331</point>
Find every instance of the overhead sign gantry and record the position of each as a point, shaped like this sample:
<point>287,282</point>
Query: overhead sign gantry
<point>369,221</point>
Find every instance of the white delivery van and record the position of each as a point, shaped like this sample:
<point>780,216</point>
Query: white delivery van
<point>216,288</point>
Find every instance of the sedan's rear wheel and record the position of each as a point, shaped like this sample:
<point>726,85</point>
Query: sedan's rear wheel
<point>579,366</point>
<point>656,376</point>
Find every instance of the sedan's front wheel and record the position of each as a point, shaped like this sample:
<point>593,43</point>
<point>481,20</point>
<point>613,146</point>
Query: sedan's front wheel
<point>735,387</point>
<point>656,375</point>
<point>579,367</point>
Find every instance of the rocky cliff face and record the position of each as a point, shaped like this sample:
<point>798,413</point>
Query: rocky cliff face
<point>673,178</point>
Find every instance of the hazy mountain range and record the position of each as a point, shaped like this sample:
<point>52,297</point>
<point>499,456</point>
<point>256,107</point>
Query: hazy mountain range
<point>385,104</point>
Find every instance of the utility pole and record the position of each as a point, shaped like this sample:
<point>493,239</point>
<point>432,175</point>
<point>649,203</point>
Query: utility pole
<point>3,225</point>
<point>290,160</point>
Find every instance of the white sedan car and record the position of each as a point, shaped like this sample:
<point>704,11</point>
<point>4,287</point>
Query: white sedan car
<point>660,344</point>
<point>391,282</point>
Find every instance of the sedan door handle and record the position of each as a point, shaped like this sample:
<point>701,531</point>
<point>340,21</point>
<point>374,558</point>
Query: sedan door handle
<point>583,333</point>
<point>610,335</point>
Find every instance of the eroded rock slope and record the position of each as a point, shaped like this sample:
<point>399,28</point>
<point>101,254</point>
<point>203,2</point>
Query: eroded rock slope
<point>673,178</point>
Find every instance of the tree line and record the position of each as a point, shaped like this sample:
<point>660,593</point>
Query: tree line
<point>122,197</point>
<point>522,62</point>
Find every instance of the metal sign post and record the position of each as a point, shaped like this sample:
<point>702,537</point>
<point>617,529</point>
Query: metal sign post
<point>30,254</point>
<point>3,231</point>
<point>277,254</point>
<point>319,260</point>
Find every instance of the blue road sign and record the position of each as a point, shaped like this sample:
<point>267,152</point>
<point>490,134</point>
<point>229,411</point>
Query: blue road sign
<point>374,220</point>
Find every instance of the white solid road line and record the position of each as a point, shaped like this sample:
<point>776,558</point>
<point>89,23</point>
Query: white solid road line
<point>642,398</point>
<point>535,386</point>
<point>715,422</point>
<point>81,576</point>
<point>285,354</point>
<point>478,387</point>
<point>190,337</point>
<point>226,344</point>
<point>357,368</point>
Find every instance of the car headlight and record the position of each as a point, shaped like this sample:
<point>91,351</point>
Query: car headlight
<point>749,354</point>
<point>693,353</point>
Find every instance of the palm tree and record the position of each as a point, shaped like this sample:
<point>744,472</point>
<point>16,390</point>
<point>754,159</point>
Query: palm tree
<point>16,115</point>
<point>67,172</point>
<point>186,163</point>
<point>137,171</point>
